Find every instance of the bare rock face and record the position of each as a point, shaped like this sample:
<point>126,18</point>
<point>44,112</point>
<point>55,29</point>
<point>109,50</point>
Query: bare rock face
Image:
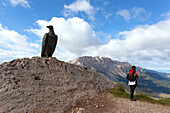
<point>114,70</point>
<point>47,85</point>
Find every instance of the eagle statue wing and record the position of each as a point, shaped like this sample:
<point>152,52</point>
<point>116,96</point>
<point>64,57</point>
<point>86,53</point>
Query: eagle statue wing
<point>56,40</point>
<point>44,43</point>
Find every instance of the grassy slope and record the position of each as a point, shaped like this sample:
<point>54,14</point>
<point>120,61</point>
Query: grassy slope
<point>119,91</point>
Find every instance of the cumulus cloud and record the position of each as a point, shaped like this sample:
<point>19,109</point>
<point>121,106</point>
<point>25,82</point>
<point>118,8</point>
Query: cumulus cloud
<point>147,45</point>
<point>23,3</point>
<point>75,35</point>
<point>137,13</point>
<point>14,45</point>
<point>80,6</point>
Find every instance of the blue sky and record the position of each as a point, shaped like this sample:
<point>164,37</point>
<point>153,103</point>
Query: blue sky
<point>136,31</point>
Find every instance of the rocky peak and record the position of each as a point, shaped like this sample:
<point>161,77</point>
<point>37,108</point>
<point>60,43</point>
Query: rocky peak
<point>111,68</point>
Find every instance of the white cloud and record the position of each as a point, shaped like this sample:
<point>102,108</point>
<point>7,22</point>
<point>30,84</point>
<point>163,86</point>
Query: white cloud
<point>140,13</point>
<point>80,6</point>
<point>108,15</point>
<point>147,46</point>
<point>23,3</point>
<point>34,45</point>
<point>166,15</point>
<point>136,13</point>
<point>138,10</point>
<point>3,3</point>
<point>124,13</point>
<point>14,45</point>
<point>75,35</point>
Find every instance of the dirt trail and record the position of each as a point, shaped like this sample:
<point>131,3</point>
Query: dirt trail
<point>107,103</point>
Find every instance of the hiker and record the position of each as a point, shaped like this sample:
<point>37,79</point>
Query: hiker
<point>132,77</point>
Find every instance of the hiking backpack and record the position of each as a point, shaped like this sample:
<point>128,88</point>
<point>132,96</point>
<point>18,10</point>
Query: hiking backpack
<point>131,76</point>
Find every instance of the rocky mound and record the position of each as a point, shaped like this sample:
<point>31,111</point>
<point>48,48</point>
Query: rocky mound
<point>47,85</point>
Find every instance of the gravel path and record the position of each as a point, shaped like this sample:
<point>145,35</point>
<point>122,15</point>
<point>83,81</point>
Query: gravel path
<point>124,105</point>
<point>107,103</point>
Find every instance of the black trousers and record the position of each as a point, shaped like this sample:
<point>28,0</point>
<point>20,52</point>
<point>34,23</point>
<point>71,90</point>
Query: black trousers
<point>132,89</point>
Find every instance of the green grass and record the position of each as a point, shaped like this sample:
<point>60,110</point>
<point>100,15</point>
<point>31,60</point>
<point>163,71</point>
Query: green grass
<point>164,101</point>
<point>119,91</point>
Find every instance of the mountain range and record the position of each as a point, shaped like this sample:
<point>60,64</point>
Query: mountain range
<point>154,83</point>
